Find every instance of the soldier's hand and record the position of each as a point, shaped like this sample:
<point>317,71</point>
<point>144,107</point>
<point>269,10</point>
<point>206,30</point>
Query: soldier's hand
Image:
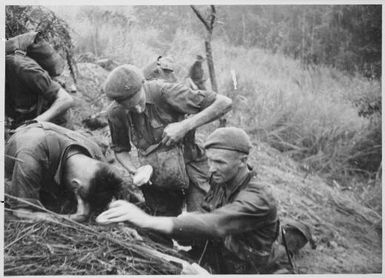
<point>173,133</point>
<point>120,211</point>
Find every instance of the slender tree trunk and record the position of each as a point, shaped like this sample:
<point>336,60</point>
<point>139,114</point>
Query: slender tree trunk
<point>209,25</point>
<point>312,40</point>
<point>95,36</point>
<point>243,29</point>
<point>303,40</point>
<point>210,63</point>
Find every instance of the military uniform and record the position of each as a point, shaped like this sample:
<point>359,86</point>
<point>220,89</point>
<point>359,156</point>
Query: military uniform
<point>165,103</point>
<point>29,90</point>
<point>34,159</point>
<point>241,224</point>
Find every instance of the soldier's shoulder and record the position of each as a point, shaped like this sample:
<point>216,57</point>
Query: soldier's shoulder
<point>22,62</point>
<point>257,186</point>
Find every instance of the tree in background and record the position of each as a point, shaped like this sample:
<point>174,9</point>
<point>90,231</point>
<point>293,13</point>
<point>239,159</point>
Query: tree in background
<point>346,37</point>
<point>362,24</point>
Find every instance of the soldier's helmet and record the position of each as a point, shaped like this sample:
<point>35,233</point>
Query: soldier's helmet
<point>123,82</point>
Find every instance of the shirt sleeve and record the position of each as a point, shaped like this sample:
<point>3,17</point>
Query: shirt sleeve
<point>26,181</point>
<point>39,81</point>
<point>251,210</point>
<point>184,100</point>
<point>119,129</point>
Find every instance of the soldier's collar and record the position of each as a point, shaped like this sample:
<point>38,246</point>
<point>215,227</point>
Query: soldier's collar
<point>234,185</point>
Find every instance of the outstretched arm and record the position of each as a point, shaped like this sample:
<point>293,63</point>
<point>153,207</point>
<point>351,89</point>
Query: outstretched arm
<point>61,104</point>
<point>174,132</point>
<point>121,210</point>
<point>218,108</point>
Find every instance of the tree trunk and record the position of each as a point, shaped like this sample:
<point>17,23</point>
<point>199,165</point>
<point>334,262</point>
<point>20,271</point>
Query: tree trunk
<point>210,64</point>
<point>243,30</point>
<point>303,40</point>
<point>209,25</point>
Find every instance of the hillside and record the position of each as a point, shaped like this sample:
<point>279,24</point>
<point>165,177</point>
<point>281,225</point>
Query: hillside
<point>347,234</point>
<point>317,142</point>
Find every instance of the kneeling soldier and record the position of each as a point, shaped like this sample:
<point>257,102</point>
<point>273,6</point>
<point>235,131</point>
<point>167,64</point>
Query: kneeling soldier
<point>237,228</point>
<point>46,164</point>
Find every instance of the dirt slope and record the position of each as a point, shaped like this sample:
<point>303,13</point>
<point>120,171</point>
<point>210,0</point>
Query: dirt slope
<point>347,241</point>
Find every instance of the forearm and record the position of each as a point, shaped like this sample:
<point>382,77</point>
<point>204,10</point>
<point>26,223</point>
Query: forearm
<point>62,103</point>
<point>163,225</point>
<point>125,159</point>
<point>198,226</point>
<point>218,108</point>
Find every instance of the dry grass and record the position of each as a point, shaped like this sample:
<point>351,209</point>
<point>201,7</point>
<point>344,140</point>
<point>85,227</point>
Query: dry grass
<point>59,248</point>
<point>67,247</point>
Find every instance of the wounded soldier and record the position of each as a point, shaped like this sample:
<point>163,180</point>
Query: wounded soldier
<point>51,166</point>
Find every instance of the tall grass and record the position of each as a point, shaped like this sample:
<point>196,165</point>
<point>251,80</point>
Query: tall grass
<point>308,113</point>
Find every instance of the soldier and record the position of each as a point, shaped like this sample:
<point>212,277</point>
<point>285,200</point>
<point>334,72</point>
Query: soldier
<point>152,116</point>
<point>30,91</point>
<point>48,165</point>
<point>236,229</point>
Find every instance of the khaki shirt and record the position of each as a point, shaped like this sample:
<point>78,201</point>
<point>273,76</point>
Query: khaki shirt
<point>35,156</point>
<point>27,86</point>
<point>239,220</point>
<point>165,103</point>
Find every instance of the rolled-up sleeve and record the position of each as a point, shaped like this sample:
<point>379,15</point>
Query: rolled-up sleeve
<point>251,210</point>
<point>119,129</point>
<point>186,101</point>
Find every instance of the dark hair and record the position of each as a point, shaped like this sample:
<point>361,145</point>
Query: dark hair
<point>103,186</point>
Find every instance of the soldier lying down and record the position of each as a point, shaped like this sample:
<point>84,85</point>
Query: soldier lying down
<point>49,165</point>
